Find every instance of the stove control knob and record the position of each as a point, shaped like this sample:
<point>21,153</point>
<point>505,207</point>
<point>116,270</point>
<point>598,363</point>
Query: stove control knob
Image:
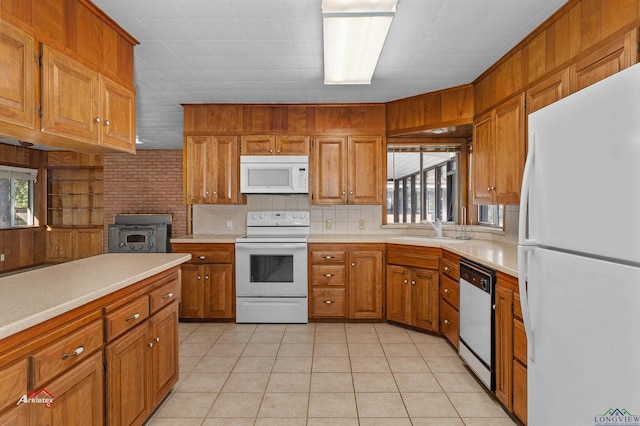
<point>303,215</point>
<point>140,246</point>
<point>261,215</point>
<point>254,216</point>
<point>294,215</point>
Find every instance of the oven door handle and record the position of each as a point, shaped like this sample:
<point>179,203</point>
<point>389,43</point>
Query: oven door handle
<point>279,246</point>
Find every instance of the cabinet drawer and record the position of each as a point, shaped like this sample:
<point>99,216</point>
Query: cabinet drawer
<point>520,391</point>
<point>64,354</point>
<point>213,256</point>
<point>325,256</point>
<point>517,309</point>
<point>451,269</point>
<point>449,291</point>
<point>327,274</point>
<point>328,302</point>
<point>164,295</point>
<point>449,322</point>
<point>13,384</point>
<point>519,342</point>
<point>418,257</point>
<point>126,317</point>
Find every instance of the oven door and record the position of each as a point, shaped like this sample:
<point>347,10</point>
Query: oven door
<point>271,269</point>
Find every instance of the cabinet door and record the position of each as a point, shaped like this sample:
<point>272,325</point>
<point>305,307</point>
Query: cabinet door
<point>329,170</point>
<point>548,91</point>
<point>365,170</point>
<point>425,298</point>
<point>504,345</point>
<point>509,151</point>
<point>88,243</point>
<point>118,118</point>
<point>13,384</point>
<point>192,290</point>
<point>128,371</point>
<point>520,391</point>
<point>199,179</point>
<point>60,245</point>
<point>218,291</point>
<point>164,354</point>
<point>17,416</point>
<point>258,145</point>
<point>225,168</point>
<point>398,294</point>
<point>17,67</point>
<point>292,145</point>
<point>77,395</point>
<point>365,284</point>
<point>482,155</point>
<point>70,97</point>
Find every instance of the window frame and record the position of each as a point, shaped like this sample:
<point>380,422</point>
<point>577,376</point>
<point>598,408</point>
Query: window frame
<point>13,174</point>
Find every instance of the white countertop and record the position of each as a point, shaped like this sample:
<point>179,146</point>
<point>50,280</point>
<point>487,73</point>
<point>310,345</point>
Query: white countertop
<point>29,298</point>
<point>498,255</point>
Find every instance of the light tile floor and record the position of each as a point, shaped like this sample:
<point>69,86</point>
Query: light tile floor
<point>322,374</point>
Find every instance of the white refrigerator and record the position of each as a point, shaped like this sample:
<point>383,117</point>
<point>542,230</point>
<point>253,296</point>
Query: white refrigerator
<point>579,256</point>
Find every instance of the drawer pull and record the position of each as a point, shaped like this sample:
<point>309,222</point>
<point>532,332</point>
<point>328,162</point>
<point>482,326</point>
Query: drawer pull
<point>329,257</point>
<point>449,322</point>
<point>132,317</point>
<point>329,275</point>
<point>328,302</point>
<point>157,339</point>
<point>448,269</point>
<point>406,281</point>
<point>413,282</point>
<point>168,296</point>
<point>446,290</point>
<point>202,257</point>
<point>77,352</point>
<point>150,344</point>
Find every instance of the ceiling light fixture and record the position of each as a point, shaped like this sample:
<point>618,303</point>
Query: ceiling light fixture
<point>354,33</point>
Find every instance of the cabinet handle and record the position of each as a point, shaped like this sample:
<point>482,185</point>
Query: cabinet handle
<point>279,151</point>
<point>353,263</point>
<point>168,296</point>
<point>447,269</point>
<point>206,193</point>
<point>329,257</point>
<point>413,282</point>
<point>350,192</point>
<point>206,277</point>
<point>447,291</point>
<point>199,277</point>
<point>157,339</point>
<point>270,150</point>
<point>491,188</point>
<point>406,281</point>
<point>106,122</point>
<point>448,322</point>
<point>202,257</point>
<point>150,344</point>
<point>97,119</point>
<point>328,275</point>
<point>77,352</point>
<point>132,317</point>
<point>328,302</point>
<point>343,192</point>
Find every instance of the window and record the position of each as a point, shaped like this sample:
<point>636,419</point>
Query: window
<point>16,196</point>
<point>422,184</point>
<point>491,215</point>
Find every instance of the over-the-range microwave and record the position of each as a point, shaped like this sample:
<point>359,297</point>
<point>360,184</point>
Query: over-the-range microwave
<point>274,174</point>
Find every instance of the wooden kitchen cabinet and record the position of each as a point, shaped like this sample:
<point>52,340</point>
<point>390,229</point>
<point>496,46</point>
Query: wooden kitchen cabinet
<point>13,384</point>
<point>207,281</point>
<point>347,170</point>
<point>499,151</point>
<point>17,67</point>
<point>275,145</point>
<point>81,104</point>
<point>548,91</point>
<point>65,244</point>
<point>412,288</point>
<point>211,170</point>
<point>450,297</point>
<point>510,347</point>
<point>346,281</point>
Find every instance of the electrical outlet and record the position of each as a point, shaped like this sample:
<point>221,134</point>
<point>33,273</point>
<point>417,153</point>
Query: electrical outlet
<point>229,224</point>
<point>329,224</point>
<point>362,224</point>
<point>2,257</point>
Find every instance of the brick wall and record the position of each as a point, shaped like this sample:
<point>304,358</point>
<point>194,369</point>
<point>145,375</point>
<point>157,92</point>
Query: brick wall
<point>148,182</point>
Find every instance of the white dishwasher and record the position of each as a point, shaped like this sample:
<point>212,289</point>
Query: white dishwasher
<point>477,337</point>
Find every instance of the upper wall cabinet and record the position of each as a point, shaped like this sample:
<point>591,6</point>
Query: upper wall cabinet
<point>347,170</point>
<point>17,67</point>
<point>82,96</point>
<point>84,105</point>
<point>275,145</point>
<point>499,150</point>
<point>548,91</point>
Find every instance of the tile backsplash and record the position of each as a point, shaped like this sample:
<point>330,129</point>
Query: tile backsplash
<point>341,219</point>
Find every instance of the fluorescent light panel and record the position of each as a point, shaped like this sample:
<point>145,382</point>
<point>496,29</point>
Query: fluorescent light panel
<point>354,33</point>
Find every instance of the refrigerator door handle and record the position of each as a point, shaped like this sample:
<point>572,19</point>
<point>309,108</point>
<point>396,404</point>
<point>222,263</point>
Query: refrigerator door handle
<point>524,194</point>
<point>524,252</point>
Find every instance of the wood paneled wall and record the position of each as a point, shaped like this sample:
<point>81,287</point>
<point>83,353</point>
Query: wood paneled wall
<point>578,29</point>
